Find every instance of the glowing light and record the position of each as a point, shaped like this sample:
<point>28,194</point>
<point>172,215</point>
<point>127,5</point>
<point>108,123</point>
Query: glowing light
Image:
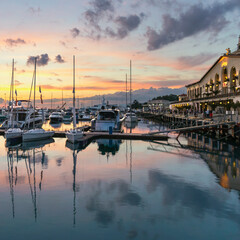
<point>224,64</point>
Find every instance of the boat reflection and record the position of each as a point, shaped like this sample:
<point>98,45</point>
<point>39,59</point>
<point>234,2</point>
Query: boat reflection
<point>107,146</point>
<point>79,146</point>
<point>31,153</point>
<point>55,125</point>
<point>130,125</point>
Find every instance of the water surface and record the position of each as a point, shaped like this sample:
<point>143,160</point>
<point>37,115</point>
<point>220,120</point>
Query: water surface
<point>117,189</point>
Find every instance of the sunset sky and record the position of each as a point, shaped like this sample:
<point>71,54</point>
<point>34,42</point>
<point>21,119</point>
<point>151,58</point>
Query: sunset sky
<point>170,42</point>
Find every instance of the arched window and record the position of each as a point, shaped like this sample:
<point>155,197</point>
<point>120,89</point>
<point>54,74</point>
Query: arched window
<point>233,79</point>
<point>225,80</point>
<point>217,83</point>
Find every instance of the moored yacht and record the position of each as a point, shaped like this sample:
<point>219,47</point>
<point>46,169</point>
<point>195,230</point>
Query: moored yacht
<point>56,117</point>
<point>13,134</point>
<point>131,117</point>
<point>68,117</point>
<point>22,117</point>
<point>37,134</point>
<point>107,120</point>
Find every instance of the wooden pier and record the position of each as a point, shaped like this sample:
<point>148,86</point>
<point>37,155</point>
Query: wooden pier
<point>90,136</point>
<point>194,128</point>
<point>106,135</point>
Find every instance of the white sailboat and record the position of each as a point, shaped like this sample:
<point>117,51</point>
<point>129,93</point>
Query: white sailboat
<point>75,134</point>
<point>12,133</point>
<point>36,133</point>
<point>131,117</point>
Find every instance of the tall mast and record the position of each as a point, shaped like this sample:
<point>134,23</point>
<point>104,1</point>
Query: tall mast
<point>131,87</point>
<point>12,87</point>
<point>51,101</point>
<point>62,97</point>
<point>74,113</point>
<point>34,91</point>
<point>126,91</point>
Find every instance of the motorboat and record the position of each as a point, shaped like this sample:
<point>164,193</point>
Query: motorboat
<point>56,117</point>
<point>36,134</point>
<point>23,117</point>
<point>67,118</point>
<point>84,117</point>
<point>131,117</point>
<point>13,134</point>
<point>107,120</point>
<point>3,115</point>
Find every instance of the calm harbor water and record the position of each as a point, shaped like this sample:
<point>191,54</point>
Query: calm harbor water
<point>117,189</point>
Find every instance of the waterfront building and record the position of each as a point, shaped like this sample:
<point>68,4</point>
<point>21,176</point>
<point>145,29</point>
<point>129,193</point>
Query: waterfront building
<point>218,89</point>
<point>156,105</point>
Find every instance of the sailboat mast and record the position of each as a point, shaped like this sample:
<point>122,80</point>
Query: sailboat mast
<point>62,97</point>
<point>12,87</point>
<point>74,113</point>
<point>34,92</point>
<point>126,91</point>
<point>74,82</point>
<point>12,81</point>
<point>131,87</point>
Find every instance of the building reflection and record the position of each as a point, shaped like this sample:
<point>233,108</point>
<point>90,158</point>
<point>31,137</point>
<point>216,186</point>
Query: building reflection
<point>222,158</point>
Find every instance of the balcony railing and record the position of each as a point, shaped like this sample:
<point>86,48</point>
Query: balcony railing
<point>212,95</point>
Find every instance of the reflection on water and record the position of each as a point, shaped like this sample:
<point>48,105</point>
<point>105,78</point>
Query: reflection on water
<point>63,126</point>
<point>223,159</point>
<point>169,190</point>
<point>107,146</point>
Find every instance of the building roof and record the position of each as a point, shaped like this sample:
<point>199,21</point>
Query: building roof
<point>231,54</point>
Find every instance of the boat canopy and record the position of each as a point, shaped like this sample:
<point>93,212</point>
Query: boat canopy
<point>106,115</point>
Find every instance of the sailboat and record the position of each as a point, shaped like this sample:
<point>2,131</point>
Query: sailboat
<point>75,134</point>
<point>36,133</point>
<point>131,117</point>
<point>12,134</point>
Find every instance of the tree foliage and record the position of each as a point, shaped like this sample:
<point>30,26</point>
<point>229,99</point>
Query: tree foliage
<point>171,97</point>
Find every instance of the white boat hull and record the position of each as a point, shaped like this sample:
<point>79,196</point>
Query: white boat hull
<point>74,136</point>
<point>13,133</point>
<point>103,126</point>
<point>37,134</point>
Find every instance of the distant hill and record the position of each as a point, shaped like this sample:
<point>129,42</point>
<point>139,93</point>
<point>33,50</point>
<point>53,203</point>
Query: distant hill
<point>141,95</point>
